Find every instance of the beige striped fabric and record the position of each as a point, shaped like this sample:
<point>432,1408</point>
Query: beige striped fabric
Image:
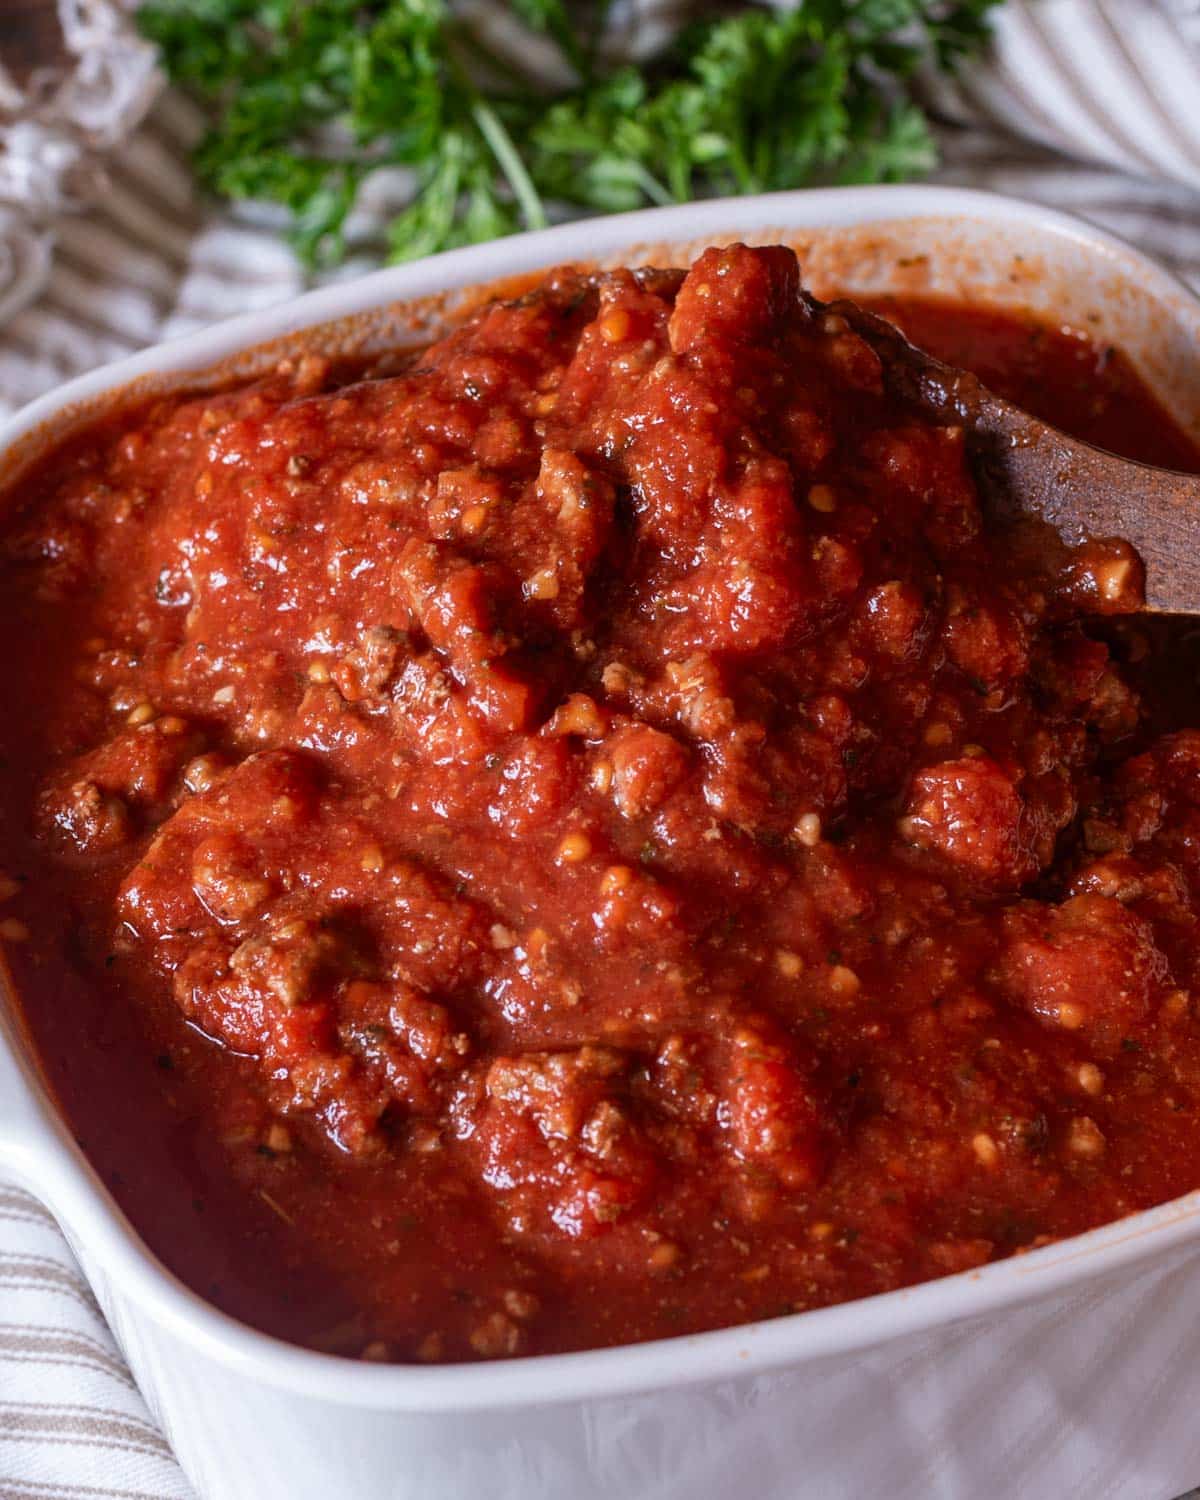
<point>72,1423</point>
<point>1089,105</point>
<point>1108,81</point>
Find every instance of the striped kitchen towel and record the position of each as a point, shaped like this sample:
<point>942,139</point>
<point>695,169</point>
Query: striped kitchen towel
<point>72,1423</point>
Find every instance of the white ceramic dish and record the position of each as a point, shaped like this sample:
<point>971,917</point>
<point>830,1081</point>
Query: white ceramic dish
<point>252,1418</point>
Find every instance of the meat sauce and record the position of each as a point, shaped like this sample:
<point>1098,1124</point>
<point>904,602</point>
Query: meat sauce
<point>594,834</point>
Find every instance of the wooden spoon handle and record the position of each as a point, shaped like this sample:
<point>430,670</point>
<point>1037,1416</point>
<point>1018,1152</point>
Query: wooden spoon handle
<point>1027,467</point>
<point>1084,492</point>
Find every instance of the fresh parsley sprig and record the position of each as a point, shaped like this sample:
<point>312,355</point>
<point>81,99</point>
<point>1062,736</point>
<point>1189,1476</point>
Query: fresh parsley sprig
<point>309,97</point>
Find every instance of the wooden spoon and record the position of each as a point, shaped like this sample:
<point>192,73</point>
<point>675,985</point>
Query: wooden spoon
<point>1026,467</point>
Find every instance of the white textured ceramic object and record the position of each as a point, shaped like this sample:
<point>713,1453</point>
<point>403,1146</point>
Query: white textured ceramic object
<point>252,1418</point>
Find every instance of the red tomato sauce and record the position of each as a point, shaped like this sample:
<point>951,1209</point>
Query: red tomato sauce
<point>594,834</point>
<point>1089,390</point>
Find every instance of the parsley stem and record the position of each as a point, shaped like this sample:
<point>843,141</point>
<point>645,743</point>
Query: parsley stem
<point>509,161</point>
<point>650,185</point>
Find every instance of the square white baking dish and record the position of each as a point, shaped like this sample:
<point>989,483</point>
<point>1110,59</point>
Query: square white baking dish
<point>252,1418</point>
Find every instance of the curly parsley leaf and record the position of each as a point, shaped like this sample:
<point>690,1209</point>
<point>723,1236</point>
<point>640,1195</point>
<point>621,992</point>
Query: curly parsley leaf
<point>309,97</point>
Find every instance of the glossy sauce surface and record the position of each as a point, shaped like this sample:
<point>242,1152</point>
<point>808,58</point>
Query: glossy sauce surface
<point>595,836</point>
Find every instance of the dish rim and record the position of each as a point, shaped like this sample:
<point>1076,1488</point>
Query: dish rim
<point>36,1145</point>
